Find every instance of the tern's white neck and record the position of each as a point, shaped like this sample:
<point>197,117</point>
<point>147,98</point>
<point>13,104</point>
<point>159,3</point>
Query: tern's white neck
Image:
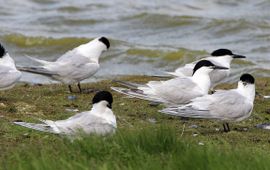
<point>247,91</point>
<point>7,61</point>
<point>100,109</point>
<point>92,49</point>
<point>224,61</point>
<point>202,79</point>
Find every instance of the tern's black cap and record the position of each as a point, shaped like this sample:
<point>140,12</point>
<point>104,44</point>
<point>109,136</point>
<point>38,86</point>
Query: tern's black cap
<point>103,95</point>
<point>105,41</point>
<point>221,52</point>
<point>2,51</point>
<point>202,63</point>
<point>247,78</point>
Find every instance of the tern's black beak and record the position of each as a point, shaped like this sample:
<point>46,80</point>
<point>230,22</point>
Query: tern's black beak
<point>220,68</point>
<point>238,56</point>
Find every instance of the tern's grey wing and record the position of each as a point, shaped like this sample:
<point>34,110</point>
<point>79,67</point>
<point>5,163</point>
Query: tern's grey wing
<point>230,105</point>
<point>8,76</point>
<point>223,105</point>
<point>177,90</point>
<point>70,55</point>
<point>73,70</point>
<point>86,123</point>
<point>74,56</point>
<point>100,128</point>
<point>186,70</point>
<point>218,76</point>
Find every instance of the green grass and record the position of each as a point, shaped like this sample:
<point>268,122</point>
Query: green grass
<point>168,143</point>
<point>158,148</point>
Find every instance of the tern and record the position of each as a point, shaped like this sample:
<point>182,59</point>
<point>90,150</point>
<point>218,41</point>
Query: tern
<point>224,105</point>
<point>179,90</point>
<point>9,75</point>
<point>221,57</point>
<point>99,120</point>
<point>74,66</point>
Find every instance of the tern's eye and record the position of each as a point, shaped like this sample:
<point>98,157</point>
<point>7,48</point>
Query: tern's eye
<point>244,83</point>
<point>109,106</point>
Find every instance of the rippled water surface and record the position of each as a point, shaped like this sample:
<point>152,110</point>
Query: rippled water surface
<point>147,36</point>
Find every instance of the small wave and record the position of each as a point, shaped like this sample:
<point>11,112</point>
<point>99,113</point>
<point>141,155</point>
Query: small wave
<point>70,9</point>
<point>221,27</point>
<point>185,55</point>
<point>30,41</point>
<point>44,1</point>
<point>161,20</point>
<point>80,8</point>
<point>66,21</point>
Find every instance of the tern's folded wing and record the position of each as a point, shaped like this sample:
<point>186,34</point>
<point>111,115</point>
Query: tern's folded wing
<point>177,90</point>
<point>223,105</point>
<point>85,123</point>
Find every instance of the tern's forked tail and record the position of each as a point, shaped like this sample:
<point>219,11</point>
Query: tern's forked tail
<point>137,94</point>
<point>40,127</point>
<point>36,70</point>
<point>43,62</point>
<point>187,111</point>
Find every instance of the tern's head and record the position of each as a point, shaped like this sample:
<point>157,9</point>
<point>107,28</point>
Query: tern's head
<point>246,86</point>
<point>226,52</point>
<point>2,51</point>
<point>103,96</point>
<point>105,41</point>
<point>246,80</point>
<point>205,66</point>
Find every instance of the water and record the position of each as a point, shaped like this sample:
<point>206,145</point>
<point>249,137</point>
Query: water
<point>147,36</point>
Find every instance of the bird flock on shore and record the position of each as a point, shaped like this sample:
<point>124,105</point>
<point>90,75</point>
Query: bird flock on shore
<point>188,92</point>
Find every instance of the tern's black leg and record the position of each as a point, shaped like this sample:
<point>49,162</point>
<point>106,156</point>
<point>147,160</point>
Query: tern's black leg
<point>79,86</point>
<point>228,127</point>
<point>224,127</point>
<point>70,89</point>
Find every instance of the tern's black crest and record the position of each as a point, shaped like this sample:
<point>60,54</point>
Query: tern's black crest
<point>221,52</point>
<point>247,78</point>
<point>2,51</point>
<point>202,63</point>
<point>103,95</point>
<point>105,41</point>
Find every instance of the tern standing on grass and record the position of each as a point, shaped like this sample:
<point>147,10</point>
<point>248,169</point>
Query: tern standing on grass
<point>99,120</point>
<point>9,75</point>
<point>74,66</point>
<point>221,57</point>
<point>178,90</point>
<point>224,105</point>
